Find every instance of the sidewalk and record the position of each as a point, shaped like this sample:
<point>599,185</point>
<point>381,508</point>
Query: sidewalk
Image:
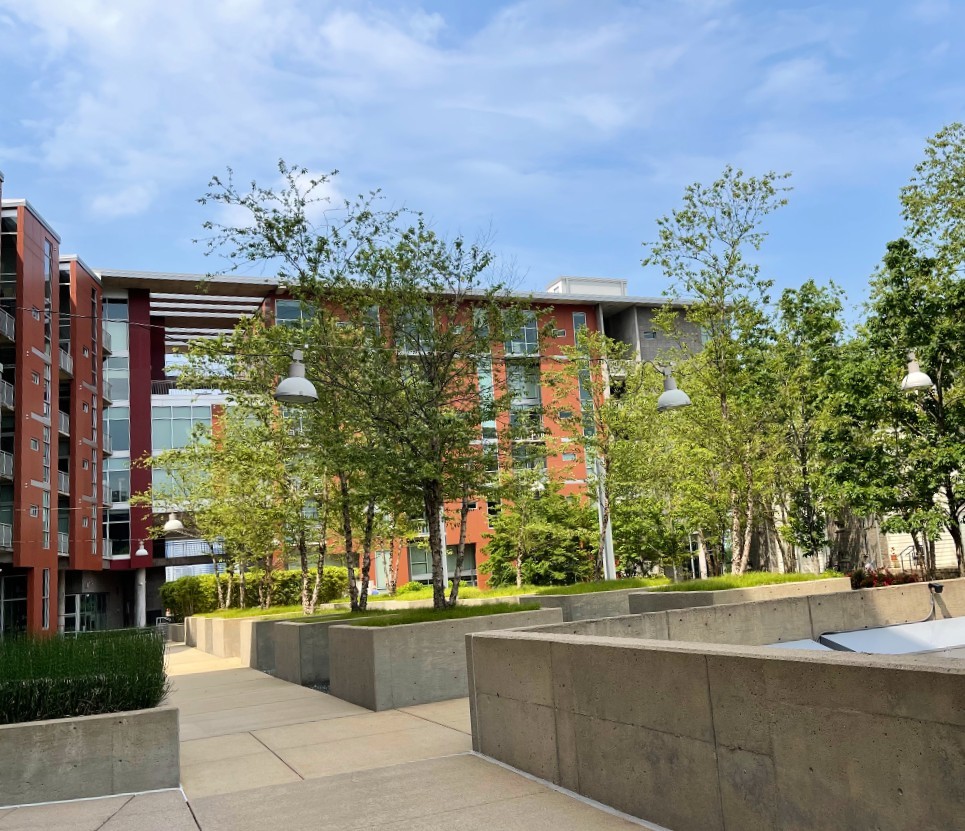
<point>261,754</point>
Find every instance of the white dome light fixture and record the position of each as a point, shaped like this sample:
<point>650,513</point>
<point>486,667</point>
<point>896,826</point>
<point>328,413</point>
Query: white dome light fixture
<point>173,525</point>
<point>915,379</point>
<point>671,398</point>
<point>141,550</point>
<point>296,388</point>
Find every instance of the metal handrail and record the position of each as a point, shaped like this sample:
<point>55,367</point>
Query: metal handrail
<point>63,482</point>
<point>65,362</point>
<point>6,394</point>
<point>63,543</point>
<point>6,536</point>
<point>6,464</point>
<point>106,446</point>
<point>63,422</point>
<point>8,328</point>
<point>107,549</point>
<point>106,340</point>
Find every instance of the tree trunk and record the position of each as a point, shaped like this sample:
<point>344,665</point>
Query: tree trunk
<point>319,572</point>
<point>395,555</point>
<point>366,554</point>
<point>432,501</point>
<point>303,562</point>
<point>242,587</point>
<point>217,584</point>
<point>741,553</point>
<point>347,536</point>
<point>702,555</point>
<point>460,547</point>
<point>953,524</point>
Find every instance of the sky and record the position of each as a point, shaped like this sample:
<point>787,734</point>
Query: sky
<point>559,131</point>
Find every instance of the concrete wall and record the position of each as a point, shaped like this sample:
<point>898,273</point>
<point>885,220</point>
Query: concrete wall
<point>658,601</point>
<point>717,738</point>
<point>782,619</point>
<point>256,639</point>
<point>586,606</point>
<point>301,651</point>
<point>175,632</point>
<point>384,667</point>
<point>73,758</point>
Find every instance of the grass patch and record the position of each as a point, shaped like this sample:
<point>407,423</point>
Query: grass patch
<point>281,612</point>
<point>81,675</point>
<point>428,615</point>
<point>604,586</point>
<point>740,581</point>
<point>465,593</point>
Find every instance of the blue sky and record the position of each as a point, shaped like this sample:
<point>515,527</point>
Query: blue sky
<point>563,129</point>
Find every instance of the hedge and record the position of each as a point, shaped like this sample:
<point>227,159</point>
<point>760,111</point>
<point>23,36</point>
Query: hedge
<point>81,675</point>
<point>197,595</point>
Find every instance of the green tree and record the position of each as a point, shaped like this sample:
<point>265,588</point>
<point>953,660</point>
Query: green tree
<point>704,249</point>
<point>541,536</point>
<point>410,388</point>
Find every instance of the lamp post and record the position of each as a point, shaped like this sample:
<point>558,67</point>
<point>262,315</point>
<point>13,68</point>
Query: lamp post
<point>915,379</point>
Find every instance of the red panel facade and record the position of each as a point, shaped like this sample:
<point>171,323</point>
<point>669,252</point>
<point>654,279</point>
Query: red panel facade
<point>35,454</point>
<point>85,467</point>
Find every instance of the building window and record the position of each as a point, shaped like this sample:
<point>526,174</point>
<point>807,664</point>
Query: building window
<point>45,519</point>
<point>525,341</point>
<point>115,321</point>
<point>492,512</point>
<point>118,479</point>
<point>172,427</point>
<point>45,598</point>
<point>117,374</point>
<point>484,373</point>
<point>35,377</point>
<point>117,425</point>
<point>86,407</point>
<point>34,511</point>
<point>46,454</point>
<point>86,352</point>
<point>568,457</point>
<point>117,528</point>
<point>34,444</point>
<point>651,335</point>
<point>292,312</point>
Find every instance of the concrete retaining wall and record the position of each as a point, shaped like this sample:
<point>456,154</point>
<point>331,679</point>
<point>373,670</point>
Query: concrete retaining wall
<point>717,738</point>
<point>585,606</point>
<point>301,651</point>
<point>658,601</point>
<point>385,667</point>
<point>73,758</point>
<point>174,632</point>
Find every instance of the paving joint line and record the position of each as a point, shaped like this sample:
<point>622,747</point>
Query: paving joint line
<point>433,721</point>
<point>126,803</point>
<point>279,758</point>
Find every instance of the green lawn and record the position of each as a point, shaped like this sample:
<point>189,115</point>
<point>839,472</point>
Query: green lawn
<point>604,586</point>
<point>741,581</point>
<point>397,618</point>
<point>277,611</point>
<point>465,593</point>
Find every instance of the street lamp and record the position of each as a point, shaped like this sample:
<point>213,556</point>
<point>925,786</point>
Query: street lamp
<point>671,398</point>
<point>915,379</point>
<point>296,388</point>
<point>173,525</point>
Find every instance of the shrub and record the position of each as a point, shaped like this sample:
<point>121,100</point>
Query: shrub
<point>198,595</point>
<point>408,588</point>
<point>82,675</point>
<point>861,579</point>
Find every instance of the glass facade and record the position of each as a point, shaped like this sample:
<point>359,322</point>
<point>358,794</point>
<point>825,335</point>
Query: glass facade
<point>420,563</point>
<point>172,426</point>
<point>115,317</point>
<point>118,478</point>
<point>525,341</point>
<point>117,425</point>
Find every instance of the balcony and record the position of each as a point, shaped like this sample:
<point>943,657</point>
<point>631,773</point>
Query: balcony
<point>63,423</point>
<point>6,465</point>
<point>107,549</point>
<point>66,363</point>
<point>106,493</point>
<point>6,537</point>
<point>63,543</point>
<point>106,447</point>
<point>106,345</point>
<point>106,392</point>
<point>63,483</point>
<point>164,387</point>
<point>7,326</point>
<point>6,395</point>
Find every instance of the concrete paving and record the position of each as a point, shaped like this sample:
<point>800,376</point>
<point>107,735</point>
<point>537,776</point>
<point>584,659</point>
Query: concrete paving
<point>258,752</point>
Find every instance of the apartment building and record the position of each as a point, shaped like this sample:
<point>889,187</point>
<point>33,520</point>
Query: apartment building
<point>84,396</point>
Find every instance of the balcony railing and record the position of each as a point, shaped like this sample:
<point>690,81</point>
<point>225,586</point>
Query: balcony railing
<point>106,447</point>
<point>65,362</point>
<point>106,392</point>
<point>107,549</point>
<point>106,492</point>
<point>164,387</point>
<point>6,394</point>
<point>106,340</point>
<point>6,536</point>
<point>63,423</point>
<point>63,543</point>
<point>63,483</point>
<point>6,464</point>
<point>7,326</point>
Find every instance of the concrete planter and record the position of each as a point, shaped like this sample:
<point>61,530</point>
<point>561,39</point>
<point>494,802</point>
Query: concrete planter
<point>175,632</point>
<point>74,758</point>
<point>586,606</point>
<point>657,601</point>
<point>301,650</point>
<point>386,667</point>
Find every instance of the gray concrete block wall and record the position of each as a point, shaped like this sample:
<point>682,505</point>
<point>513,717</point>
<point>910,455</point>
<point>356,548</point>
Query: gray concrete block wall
<point>704,737</point>
<point>385,667</point>
<point>75,758</point>
<point>658,601</point>
<point>586,606</point>
<point>301,650</point>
